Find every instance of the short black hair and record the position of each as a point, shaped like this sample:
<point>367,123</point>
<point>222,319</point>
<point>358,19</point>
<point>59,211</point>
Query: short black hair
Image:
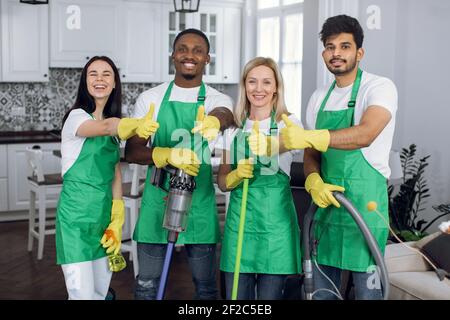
<point>342,24</point>
<point>193,31</point>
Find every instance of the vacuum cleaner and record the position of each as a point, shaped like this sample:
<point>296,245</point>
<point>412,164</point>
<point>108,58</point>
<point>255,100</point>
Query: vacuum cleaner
<point>308,243</point>
<point>179,199</point>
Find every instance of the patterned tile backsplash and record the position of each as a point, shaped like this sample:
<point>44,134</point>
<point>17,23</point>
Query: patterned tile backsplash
<point>41,106</point>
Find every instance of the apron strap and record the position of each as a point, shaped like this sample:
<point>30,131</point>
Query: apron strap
<point>201,94</point>
<point>201,97</point>
<point>355,89</point>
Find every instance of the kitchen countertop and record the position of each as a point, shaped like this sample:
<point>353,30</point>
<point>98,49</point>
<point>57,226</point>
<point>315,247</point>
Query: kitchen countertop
<point>12,137</point>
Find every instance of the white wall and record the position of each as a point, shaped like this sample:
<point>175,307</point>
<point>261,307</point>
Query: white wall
<point>412,49</point>
<point>310,45</point>
<point>422,73</point>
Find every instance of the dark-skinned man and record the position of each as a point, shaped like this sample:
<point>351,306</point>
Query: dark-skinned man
<point>187,111</point>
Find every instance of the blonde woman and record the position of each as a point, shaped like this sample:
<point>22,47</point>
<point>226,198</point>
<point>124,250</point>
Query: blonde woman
<point>271,244</point>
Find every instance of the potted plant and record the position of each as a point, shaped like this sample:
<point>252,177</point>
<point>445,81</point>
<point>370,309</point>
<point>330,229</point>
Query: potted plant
<point>409,201</point>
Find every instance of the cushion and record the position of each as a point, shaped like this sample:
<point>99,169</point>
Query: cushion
<point>438,251</point>
<point>420,243</point>
<point>398,258</point>
<point>418,286</point>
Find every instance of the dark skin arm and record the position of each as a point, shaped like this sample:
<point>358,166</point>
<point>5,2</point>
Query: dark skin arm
<point>311,161</point>
<point>224,170</point>
<point>225,117</point>
<point>136,150</point>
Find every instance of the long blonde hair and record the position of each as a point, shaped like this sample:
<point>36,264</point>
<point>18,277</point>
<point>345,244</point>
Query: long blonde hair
<point>242,108</point>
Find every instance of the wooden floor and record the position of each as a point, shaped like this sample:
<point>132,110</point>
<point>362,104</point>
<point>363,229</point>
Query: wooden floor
<point>23,277</point>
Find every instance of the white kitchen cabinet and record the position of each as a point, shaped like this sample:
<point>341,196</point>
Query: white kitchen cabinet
<point>221,22</point>
<point>172,24</point>
<point>81,29</point>
<point>24,39</point>
<point>3,162</point>
<point>210,21</point>
<point>231,52</point>
<point>18,171</point>
<point>3,194</point>
<point>3,179</point>
<point>142,60</point>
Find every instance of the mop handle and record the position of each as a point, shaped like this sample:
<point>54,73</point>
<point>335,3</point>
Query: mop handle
<point>237,265</point>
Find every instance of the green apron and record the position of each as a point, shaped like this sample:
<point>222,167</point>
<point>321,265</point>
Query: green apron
<point>271,241</point>
<point>203,223</point>
<point>84,206</point>
<point>340,242</point>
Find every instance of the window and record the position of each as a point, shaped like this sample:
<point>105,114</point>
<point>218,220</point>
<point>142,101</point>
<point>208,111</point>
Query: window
<point>280,36</point>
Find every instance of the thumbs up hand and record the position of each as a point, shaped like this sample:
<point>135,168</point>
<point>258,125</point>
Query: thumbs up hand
<point>292,134</point>
<point>260,144</point>
<point>207,126</point>
<point>147,126</point>
<point>257,141</point>
<point>295,137</point>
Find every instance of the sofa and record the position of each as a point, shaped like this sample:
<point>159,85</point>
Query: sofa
<point>411,277</point>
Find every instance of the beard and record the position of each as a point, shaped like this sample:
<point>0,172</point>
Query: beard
<point>340,71</point>
<point>188,76</point>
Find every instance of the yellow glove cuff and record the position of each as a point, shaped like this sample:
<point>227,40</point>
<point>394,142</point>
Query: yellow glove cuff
<point>118,211</point>
<point>312,181</point>
<point>318,139</point>
<point>213,122</point>
<point>160,156</point>
<point>232,179</point>
<point>127,128</point>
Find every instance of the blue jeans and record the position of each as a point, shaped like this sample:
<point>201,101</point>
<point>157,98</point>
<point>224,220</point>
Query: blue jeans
<point>202,261</point>
<point>361,281</point>
<point>268,286</point>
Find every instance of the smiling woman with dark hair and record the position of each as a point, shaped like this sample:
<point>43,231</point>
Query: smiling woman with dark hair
<point>90,209</point>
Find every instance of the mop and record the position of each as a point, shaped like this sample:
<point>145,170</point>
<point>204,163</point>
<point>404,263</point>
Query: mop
<point>237,265</point>
<point>172,238</point>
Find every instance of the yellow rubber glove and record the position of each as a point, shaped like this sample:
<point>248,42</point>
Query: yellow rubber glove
<point>295,137</point>
<point>243,171</point>
<point>147,126</point>
<point>321,192</point>
<point>260,144</point>
<point>182,158</point>
<point>112,239</point>
<point>127,127</point>
<point>207,126</point>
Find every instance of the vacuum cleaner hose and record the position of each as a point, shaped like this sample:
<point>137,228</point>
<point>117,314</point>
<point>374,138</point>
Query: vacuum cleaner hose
<point>370,240</point>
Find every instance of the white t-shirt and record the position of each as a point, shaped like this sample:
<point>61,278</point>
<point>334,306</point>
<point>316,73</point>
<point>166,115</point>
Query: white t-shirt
<point>71,144</point>
<point>155,95</point>
<point>374,91</point>
<point>284,160</point>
